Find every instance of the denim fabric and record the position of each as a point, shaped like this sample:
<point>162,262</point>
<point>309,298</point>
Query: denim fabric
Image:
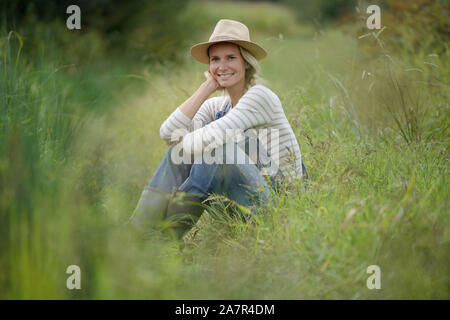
<point>221,113</point>
<point>242,183</point>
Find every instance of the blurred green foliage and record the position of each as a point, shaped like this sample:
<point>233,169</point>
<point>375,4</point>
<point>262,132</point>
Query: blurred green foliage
<point>204,15</point>
<point>418,25</point>
<point>79,118</point>
<point>321,10</point>
<point>414,27</point>
<point>144,29</point>
<point>317,11</point>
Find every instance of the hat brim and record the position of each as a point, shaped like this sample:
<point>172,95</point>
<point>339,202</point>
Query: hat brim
<point>200,51</point>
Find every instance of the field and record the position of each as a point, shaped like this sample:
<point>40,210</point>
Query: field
<point>80,139</point>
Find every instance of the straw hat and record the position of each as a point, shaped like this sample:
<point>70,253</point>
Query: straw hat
<point>228,31</point>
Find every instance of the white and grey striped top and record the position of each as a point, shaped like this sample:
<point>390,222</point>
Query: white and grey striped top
<point>259,108</point>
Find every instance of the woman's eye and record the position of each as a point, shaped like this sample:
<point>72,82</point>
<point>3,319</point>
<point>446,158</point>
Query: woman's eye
<point>232,57</point>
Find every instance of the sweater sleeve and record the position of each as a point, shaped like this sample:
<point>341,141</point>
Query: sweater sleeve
<point>178,124</point>
<point>256,107</point>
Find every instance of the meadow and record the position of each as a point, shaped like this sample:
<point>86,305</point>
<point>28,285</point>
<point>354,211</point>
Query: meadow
<point>79,139</point>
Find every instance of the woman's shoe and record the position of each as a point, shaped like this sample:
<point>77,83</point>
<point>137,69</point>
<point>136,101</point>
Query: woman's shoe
<point>151,209</point>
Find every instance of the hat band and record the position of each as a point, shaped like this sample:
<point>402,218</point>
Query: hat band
<point>218,38</point>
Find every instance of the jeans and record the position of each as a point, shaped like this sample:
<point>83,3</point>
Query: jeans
<point>242,183</point>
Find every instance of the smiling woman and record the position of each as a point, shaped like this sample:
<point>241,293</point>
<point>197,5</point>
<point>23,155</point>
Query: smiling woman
<point>179,191</point>
<point>228,68</point>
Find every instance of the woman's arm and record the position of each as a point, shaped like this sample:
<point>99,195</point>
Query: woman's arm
<point>181,118</point>
<point>191,105</point>
<point>257,107</point>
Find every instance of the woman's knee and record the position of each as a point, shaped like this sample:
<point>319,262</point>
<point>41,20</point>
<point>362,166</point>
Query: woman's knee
<point>175,156</point>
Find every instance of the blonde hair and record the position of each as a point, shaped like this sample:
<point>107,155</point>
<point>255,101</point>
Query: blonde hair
<point>252,73</point>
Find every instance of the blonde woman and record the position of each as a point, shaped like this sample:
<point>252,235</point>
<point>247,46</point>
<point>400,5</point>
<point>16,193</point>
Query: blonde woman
<point>211,149</point>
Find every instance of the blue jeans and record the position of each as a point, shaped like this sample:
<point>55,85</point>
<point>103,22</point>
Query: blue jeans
<point>242,183</point>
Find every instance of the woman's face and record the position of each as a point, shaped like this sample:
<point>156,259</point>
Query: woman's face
<point>227,65</point>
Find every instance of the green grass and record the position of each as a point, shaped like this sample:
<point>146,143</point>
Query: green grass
<point>78,144</point>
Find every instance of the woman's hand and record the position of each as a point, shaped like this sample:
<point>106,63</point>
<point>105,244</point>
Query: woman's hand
<point>211,83</point>
<point>191,105</point>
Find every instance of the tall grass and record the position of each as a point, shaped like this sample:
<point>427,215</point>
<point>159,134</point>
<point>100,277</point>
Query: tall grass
<point>377,154</point>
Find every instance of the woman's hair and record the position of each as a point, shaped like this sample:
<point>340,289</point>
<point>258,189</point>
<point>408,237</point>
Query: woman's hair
<point>252,73</point>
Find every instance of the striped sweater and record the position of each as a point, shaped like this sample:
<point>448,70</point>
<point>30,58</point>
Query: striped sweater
<point>259,108</point>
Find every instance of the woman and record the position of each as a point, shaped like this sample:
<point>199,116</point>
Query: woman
<point>211,149</point>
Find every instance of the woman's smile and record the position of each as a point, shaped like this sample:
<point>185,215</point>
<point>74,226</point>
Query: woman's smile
<point>225,76</point>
